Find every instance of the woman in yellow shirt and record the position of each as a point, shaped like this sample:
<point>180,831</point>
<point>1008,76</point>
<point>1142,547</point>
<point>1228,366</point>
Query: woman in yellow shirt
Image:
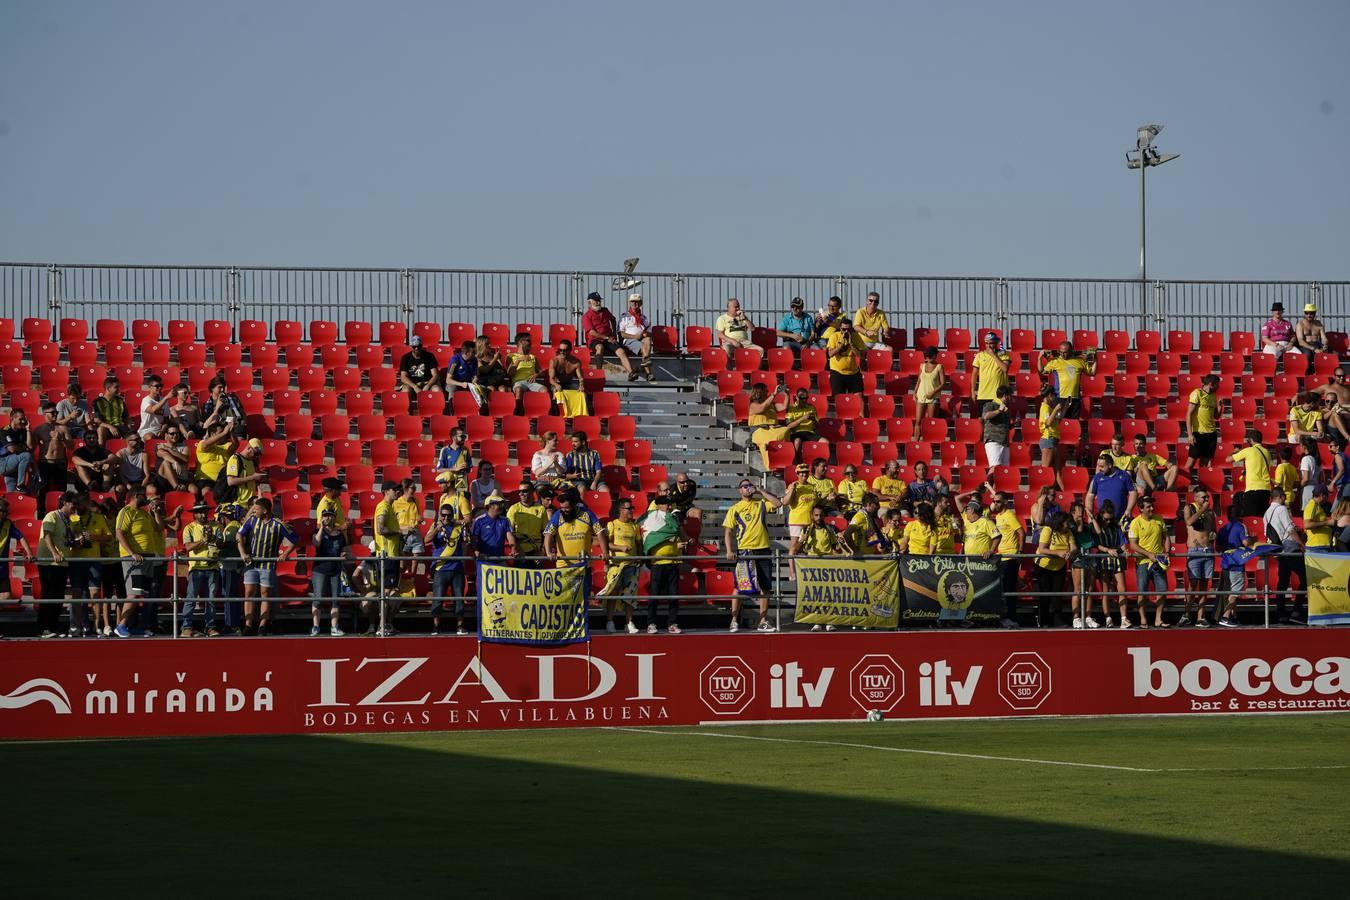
<point>763,418</point>
<point>921,533</point>
<point>1054,551</point>
<point>947,528</point>
<point>932,378</point>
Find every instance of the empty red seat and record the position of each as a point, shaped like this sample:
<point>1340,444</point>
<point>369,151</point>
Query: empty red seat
<point>357,334</point>
<point>1148,341</point>
<point>252,331</point>
<point>1022,340</point>
<point>182,331</point>
<point>73,330</point>
<point>322,333</point>
<point>498,334</point>
<point>1051,338</point>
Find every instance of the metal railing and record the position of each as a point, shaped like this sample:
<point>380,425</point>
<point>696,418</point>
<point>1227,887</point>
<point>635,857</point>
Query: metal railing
<point>476,296</point>
<point>176,565</point>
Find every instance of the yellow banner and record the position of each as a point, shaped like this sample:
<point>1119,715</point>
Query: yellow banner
<point>1328,587</point>
<point>839,591</point>
<point>532,606</point>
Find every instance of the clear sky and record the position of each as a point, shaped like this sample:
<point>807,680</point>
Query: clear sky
<point>844,137</point>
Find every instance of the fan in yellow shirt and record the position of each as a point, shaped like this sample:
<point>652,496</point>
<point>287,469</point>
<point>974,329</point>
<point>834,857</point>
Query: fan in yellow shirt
<point>1258,463</point>
<point>991,371</point>
<point>888,486</point>
<point>1317,521</point>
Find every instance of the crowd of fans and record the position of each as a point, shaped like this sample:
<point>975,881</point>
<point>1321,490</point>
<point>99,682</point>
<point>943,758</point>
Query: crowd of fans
<point>1079,548</point>
<point>104,505</point>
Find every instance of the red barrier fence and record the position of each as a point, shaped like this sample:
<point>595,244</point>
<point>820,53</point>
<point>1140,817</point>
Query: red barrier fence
<point>293,686</point>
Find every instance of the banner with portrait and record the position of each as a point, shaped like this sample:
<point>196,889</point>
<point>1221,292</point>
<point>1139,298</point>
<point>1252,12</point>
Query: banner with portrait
<point>1328,587</point>
<point>841,591</point>
<point>532,606</point>
<point>951,589</point>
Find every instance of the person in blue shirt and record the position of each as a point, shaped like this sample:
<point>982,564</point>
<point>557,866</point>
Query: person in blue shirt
<point>582,465</point>
<point>922,489</point>
<point>456,458</point>
<point>1111,483</point>
<point>462,368</point>
<point>797,329</point>
<point>490,535</point>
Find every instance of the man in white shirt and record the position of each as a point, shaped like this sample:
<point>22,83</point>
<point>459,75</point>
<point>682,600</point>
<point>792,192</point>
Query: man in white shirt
<point>152,408</point>
<point>1279,525</point>
<point>635,331</point>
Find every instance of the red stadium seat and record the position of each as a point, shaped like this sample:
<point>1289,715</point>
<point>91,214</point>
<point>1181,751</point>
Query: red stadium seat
<point>105,330</point>
<point>1051,338</point>
<point>1021,340</point>
<point>72,330</point>
<point>322,333</point>
<point>957,339</point>
<point>697,338</point>
<point>1147,341</point>
<point>190,355</point>
<point>381,379</point>
<point>252,331</point>
<point>1179,341</point>
<point>357,334</point>
<point>393,333</point>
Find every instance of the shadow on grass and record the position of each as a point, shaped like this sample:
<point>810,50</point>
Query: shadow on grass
<point>302,816</point>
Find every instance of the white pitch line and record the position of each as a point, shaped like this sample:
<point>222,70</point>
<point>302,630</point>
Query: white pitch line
<point>1016,759</point>
<point>1255,769</point>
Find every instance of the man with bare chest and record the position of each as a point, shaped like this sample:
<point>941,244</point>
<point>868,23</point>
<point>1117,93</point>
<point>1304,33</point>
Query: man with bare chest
<point>1201,526</point>
<point>1337,389</point>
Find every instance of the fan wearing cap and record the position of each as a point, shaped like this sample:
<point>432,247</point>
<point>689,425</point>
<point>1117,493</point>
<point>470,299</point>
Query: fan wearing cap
<point>796,329</point>
<point>745,539</point>
<point>635,333</point>
<point>331,551</point>
<point>201,541</point>
<point>990,367</point>
<point>1309,335</point>
<point>490,536</point>
<point>242,474</point>
<point>331,501</point>
<point>600,332</point>
<point>801,496</point>
<point>418,369</point>
<point>1277,334</point>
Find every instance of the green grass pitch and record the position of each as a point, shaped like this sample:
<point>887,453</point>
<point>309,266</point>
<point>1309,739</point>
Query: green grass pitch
<point>1200,807</point>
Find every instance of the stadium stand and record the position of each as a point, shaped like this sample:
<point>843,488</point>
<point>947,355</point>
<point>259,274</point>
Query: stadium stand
<point>322,402</point>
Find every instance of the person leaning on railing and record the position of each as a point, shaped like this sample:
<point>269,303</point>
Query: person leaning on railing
<point>621,570</point>
<point>1149,544</point>
<point>448,539</point>
<point>663,542</point>
<point>201,541</point>
<point>1055,549</point>
<point>330,550</point>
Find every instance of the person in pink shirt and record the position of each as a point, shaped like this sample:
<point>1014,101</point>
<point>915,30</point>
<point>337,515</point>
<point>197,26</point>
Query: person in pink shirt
<point>1277,334</point>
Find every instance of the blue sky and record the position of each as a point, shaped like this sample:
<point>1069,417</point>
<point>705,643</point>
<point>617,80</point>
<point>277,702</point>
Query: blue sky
<point>865,138</point>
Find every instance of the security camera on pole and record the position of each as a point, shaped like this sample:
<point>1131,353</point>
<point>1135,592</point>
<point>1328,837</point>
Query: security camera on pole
<point>1145,155</point>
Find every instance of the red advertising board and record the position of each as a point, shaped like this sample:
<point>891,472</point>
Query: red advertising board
<point>69,689</point>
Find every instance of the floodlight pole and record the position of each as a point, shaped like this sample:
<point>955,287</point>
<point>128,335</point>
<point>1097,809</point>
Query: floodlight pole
<point>1143,241</point>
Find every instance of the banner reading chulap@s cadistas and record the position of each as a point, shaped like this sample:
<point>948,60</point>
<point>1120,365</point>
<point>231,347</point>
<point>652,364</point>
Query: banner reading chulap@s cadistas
<point>82,689</point>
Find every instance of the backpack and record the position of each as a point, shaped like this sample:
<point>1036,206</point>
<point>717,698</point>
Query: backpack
<point>221,489</point>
